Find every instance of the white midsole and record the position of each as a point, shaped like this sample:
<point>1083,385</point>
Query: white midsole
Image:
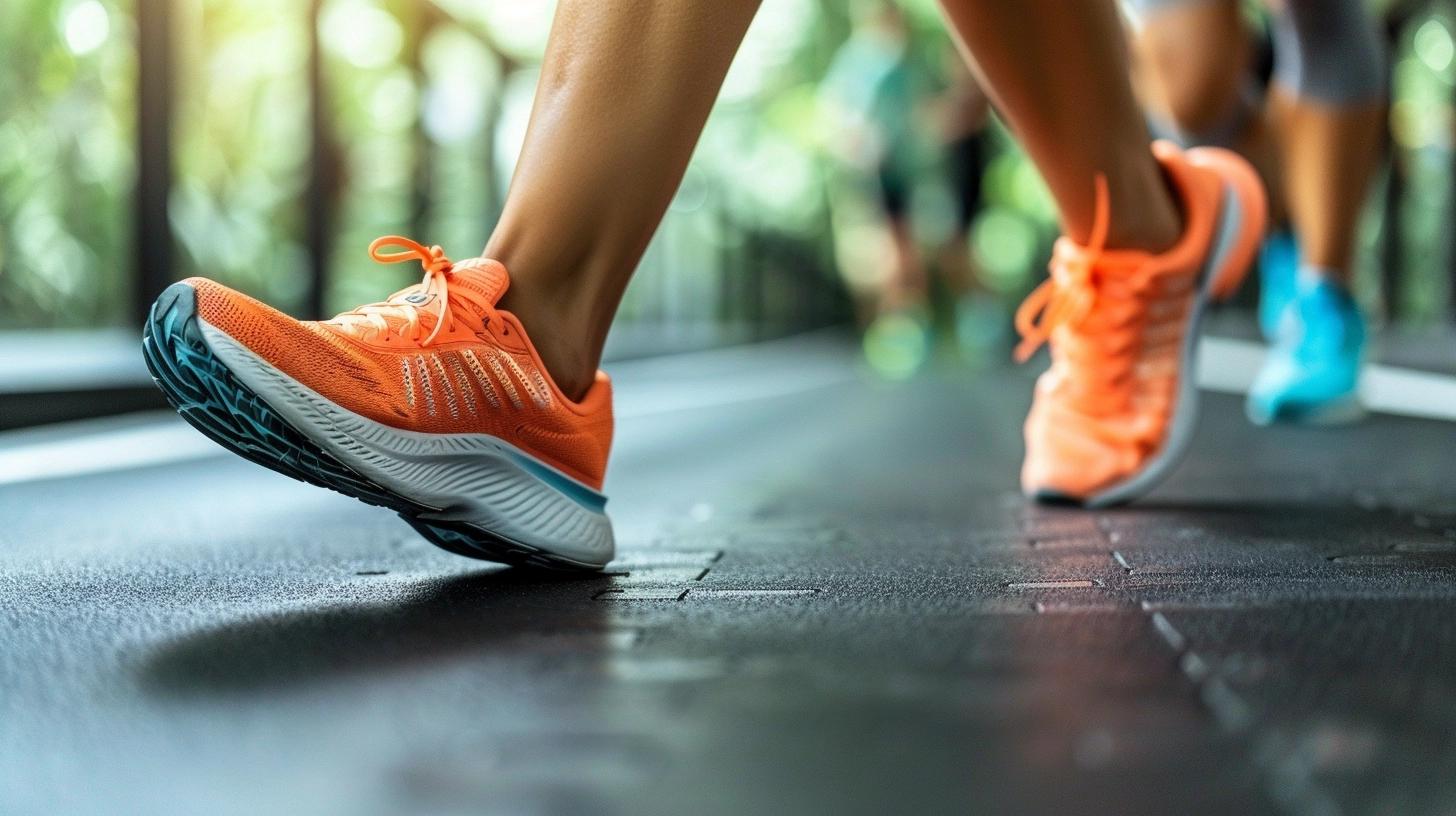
<point>473,478</point>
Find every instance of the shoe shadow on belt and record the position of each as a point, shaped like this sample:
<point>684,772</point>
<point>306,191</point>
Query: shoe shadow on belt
<point>520,614</point>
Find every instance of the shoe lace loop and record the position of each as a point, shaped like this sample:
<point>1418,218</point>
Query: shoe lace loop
<point>1086,295</point>
<point>405,306</point>
<point>1068,295</point>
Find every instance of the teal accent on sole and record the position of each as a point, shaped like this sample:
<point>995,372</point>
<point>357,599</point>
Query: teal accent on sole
<point>214,401</point>
<point>577,492</point>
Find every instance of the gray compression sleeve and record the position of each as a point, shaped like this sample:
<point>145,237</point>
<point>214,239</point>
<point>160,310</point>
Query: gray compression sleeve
<point>1327,51</point>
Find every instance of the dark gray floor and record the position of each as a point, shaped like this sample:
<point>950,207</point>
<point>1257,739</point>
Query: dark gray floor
<point>830,599</point>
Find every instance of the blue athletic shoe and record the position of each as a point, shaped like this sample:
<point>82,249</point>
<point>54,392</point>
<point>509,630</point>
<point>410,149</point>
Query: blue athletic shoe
<point>1278,272</point>
<point>1313,367</point>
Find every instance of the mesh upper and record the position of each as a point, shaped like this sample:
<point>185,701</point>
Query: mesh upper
<point>436,389</point>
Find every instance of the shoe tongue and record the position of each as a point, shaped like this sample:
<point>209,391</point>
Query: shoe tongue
<point>483,276</point>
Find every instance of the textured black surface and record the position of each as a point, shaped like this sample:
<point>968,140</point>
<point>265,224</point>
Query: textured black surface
<point>829,601</point>
<point>216,403</point>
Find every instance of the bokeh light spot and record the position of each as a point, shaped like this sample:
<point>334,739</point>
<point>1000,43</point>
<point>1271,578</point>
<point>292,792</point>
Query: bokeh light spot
<point>86,27</point>
<point>1433,45</point>
<point>363,34</point>
<point>1004,245</point>
<point>896,345</point>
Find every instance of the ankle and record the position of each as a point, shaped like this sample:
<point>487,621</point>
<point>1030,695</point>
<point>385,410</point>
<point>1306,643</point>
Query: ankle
<point>1145,216</point>
<point>1143,208</point>
<point>1154,239</point>
<point>1311,275</point>
<point>565,358</point>
<point>571,370</point>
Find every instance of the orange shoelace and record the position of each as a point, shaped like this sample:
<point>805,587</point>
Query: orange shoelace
<point>1068,295</point>
<point>404,306</point>
<point>1083,294</point>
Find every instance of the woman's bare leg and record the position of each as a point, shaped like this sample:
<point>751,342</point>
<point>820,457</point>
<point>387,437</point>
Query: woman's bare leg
<point>626,87</point>
<point>1058,72</point>
<point>1194,60</point>
<point>1330,153</point>
<point>1327,138</point>
<point>1193,71</point>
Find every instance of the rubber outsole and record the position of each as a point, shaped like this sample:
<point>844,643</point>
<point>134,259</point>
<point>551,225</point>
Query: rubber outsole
<point>214,401</point>
<point>1345,410</point>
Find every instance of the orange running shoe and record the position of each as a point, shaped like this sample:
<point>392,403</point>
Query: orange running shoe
<point>433,404</point>
<point>1117,407</point>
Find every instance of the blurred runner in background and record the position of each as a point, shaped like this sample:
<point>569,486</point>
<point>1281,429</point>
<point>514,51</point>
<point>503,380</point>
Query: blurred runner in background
<point>898,111</point>
<point>979,315</point>
<point>1315,135</point>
